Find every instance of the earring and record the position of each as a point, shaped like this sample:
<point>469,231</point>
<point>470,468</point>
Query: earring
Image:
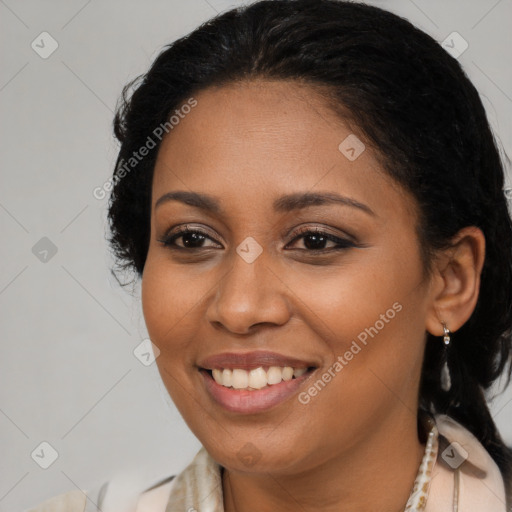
<point>446,380</point>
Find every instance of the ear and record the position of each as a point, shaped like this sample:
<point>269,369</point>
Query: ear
<point>455,283</point>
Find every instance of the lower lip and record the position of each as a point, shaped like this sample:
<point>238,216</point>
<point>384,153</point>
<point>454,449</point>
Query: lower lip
<point>245,401</point>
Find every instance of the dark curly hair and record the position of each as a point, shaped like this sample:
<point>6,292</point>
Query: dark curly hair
<point>413,104</point>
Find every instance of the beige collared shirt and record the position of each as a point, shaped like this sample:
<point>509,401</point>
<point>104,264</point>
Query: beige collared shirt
<point>456,475</point>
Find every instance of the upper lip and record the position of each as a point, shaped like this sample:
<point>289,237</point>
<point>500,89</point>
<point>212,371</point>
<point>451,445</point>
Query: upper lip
<point>251,360</point>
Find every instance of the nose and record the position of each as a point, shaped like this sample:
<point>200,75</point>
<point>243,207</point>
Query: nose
<point>249,294</point>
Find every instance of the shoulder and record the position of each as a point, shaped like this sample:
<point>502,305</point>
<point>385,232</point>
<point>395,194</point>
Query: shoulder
<point>73,501</point>
<point>76,500</point>
<point>199,482</point>
<point>464,472</point>
<point>122,493</point>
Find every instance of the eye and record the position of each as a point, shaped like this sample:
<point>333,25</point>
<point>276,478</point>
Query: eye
<point>191,239</point>
<point>315,239</point>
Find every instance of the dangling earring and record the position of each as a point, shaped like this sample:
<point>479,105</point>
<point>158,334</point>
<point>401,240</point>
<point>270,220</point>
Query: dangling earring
<point>446,380</point>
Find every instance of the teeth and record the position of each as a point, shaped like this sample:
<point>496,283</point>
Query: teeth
<point>227,378</point>
<point>217,375</point>
<point>240,379</point>
<point>257,378</point>
<point>287,373</point>
<point>274,375</point>
<point>299,371</point>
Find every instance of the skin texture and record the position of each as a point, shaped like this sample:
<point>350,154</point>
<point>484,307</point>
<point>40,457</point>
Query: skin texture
<point>354,446</point>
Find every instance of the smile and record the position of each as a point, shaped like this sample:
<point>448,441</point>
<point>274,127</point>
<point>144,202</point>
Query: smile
<point>249,400</point>
<point>253,382</point>
<point>258,378</point>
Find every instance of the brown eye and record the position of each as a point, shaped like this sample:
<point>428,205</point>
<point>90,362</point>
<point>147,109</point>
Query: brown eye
<point>191,239</point>
<point>315,240</point>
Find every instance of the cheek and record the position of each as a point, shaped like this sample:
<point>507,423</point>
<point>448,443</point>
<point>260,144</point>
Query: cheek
<point>369,313</point>
<point>166,312</point>
<point>368,287</point>
<point>170,298</point>
<point>167,305</point>
<point>156,294</point>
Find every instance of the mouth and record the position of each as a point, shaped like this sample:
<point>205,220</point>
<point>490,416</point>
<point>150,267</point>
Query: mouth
<point>258,378</point>
<point>253,382</point>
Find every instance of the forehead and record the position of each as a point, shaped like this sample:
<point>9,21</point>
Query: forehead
<point>233,123</point>
<point>262,139</point>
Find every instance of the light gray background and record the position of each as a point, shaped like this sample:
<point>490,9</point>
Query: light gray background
<point>68,373</point>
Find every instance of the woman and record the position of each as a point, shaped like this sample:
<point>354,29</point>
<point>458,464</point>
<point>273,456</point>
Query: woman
<point>313,199</point>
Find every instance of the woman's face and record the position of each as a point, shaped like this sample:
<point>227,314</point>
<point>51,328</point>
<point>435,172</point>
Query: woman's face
<point>254,290</point>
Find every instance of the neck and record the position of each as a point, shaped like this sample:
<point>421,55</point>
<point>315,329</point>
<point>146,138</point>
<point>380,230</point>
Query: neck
<point>377,474</point>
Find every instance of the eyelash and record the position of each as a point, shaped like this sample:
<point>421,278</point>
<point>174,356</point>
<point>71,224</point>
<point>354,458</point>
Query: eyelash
<point>168,241</point>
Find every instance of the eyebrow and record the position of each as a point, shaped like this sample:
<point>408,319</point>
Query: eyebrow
<point>284,204</point>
